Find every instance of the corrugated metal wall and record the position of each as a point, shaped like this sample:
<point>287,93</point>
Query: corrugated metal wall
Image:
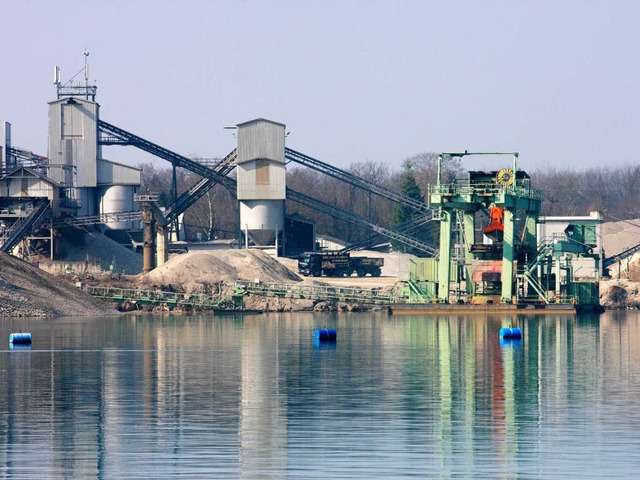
<point>73,142</point>
<point>117,174</point>
<point>261,165</point>
<point>23,184</point>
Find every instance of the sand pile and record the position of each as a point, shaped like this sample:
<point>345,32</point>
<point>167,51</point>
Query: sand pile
<point>620,294</point>
<point>27,291</point>
<point>617,237</point>
<point>205,272</point>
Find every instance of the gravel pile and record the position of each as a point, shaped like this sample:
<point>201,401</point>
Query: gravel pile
<point>27,291</point>
<point>79,246</point>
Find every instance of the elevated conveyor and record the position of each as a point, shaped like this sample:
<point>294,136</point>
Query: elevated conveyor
<point>23,228</point>
<point>127,216</point>
<point>354,180</point>
<point>406,229</point>
<point>356,220</point>
<point>112,135</point>
<point>621,256</point>
<point>191,196</point>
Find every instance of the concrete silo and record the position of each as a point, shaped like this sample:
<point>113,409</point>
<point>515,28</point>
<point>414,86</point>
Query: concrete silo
<point>261,183</point>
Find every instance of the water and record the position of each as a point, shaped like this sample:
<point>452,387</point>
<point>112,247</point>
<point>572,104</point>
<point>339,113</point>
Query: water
<point>253,397</point>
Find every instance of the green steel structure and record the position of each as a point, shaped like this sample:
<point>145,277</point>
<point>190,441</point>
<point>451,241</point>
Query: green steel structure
<point>515,268</point>
<point>509,189</point>
<point>167,299</point>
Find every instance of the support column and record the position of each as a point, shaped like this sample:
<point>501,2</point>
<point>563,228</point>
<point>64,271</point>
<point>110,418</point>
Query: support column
<point>508,256</point>
<point>469,239</point>
<point>444,263</point>
<point>558,263</point>
<point>162,250</point>
<point>148,245</point>
<point>531,232</point>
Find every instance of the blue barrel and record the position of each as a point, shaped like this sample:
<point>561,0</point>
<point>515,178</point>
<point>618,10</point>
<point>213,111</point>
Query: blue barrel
<point>325,335</point>
<point>21,338</point>
<point>510,332</point>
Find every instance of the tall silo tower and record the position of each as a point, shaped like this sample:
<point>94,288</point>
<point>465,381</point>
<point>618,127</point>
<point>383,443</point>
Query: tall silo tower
<point>93,184</point>
<point>261,183</point>
<point>74,149</point>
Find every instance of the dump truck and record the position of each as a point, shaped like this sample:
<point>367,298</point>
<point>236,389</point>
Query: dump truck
<point>367,265</point>
<point>338,264</point>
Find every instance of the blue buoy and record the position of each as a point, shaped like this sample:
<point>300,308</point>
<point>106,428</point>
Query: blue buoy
<point>325,335</point>
<point>20,338</point>
<point>507,332</point>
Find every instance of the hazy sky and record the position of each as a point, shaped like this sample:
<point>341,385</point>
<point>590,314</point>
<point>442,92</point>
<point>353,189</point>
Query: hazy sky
<point>556,81</point>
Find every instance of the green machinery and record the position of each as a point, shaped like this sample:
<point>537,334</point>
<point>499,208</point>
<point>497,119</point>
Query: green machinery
<point>514,267</point>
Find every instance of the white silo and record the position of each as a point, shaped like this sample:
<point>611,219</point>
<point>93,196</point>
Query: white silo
<point>261,182</point>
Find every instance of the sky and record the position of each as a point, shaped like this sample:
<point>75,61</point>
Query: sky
<point>354,81</point>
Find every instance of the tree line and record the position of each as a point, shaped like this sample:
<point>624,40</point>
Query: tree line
<point>609,189</point>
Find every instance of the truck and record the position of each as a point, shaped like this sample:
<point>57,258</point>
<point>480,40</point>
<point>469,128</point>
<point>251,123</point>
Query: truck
<point>338,264</point>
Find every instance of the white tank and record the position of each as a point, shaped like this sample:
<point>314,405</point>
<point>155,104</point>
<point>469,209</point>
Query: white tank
<point>118,198</point>
<point>261,219</point>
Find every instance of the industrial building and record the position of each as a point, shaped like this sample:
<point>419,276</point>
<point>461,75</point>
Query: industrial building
<point>494,247</point>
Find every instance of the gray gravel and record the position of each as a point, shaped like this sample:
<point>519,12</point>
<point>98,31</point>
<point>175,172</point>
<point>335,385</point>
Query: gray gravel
<point>27,291</point>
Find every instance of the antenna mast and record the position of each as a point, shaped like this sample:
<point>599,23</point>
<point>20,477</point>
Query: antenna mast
<point>69,89</point>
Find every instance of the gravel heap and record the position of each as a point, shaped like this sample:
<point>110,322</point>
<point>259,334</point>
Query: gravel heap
<point>206,271</point>
<point>27,291</point>
<point>79,246</point>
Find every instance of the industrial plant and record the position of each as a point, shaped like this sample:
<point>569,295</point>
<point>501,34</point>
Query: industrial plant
<point>494,250</point>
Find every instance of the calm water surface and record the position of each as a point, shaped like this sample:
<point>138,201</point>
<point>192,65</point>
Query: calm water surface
<point>253,397</point>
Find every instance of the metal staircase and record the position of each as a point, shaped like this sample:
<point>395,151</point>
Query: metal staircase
<point>24,227</point>
<point>530,273</point>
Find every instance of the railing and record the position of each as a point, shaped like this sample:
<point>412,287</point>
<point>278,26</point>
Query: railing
<point>319,292</point>
<point>156,297</point>
<point>464,187</point>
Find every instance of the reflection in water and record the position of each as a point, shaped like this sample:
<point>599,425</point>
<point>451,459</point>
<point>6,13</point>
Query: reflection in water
<point>231,397</point>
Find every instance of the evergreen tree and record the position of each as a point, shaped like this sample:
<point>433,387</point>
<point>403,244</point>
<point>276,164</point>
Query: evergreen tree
<point>402,213</point>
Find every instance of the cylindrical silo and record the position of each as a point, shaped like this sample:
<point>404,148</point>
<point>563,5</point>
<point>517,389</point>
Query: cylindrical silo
<point>261,219</point>
<point>261,180</point>
<point>117,198</point>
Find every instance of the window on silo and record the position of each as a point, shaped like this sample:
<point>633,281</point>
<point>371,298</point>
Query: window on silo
<point>262,172</point>
<point>71,121</point>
